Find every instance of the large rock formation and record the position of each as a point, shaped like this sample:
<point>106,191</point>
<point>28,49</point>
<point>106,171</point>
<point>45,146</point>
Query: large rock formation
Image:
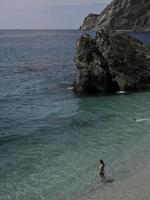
<point>111,62</point>
<point>89,22</point>
<point>121,15</point>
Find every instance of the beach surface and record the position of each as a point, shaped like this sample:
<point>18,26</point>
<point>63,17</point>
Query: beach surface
<point>133,187</point>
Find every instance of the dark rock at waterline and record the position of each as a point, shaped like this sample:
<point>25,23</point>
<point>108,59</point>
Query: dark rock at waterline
<point>93,73</point>
<point>110,62</point>
<point>121,15</point>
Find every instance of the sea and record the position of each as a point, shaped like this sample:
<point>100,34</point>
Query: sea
<point>51,140</point>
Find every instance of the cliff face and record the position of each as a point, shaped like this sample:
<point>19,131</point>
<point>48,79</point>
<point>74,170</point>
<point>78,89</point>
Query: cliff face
<point>90,21</point>
<point>111,62</point>
<point>122,15</point>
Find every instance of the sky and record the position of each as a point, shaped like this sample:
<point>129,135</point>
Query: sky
<point>47,14</point>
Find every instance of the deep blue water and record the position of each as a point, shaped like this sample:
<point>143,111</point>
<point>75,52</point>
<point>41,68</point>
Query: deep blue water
<point>50,139</point>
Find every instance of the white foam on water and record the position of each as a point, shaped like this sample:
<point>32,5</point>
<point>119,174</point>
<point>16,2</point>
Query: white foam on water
<point>70,88</point>
<point>142,120</point>
<point>121,92</point>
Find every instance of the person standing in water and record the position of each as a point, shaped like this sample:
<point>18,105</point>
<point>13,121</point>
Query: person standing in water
<point>102,170</point>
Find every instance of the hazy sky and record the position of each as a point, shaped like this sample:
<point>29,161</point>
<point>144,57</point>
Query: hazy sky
<point>51,14</point>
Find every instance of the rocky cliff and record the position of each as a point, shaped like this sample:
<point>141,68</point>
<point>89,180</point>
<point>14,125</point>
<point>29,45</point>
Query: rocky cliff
<point>121,15</point>
<point>111,62</point>
<point>90,21</point>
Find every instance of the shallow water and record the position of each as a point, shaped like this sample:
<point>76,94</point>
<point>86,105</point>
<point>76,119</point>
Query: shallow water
<point>50,139</point>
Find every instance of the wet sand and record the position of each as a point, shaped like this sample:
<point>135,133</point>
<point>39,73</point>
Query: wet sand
<point>134,187</point>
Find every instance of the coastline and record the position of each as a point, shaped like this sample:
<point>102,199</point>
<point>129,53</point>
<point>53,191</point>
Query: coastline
<point>133,187</point>
<point>43,124</point>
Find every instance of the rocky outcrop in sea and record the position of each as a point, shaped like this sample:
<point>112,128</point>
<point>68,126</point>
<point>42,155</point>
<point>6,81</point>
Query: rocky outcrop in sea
<point>121,15</point>
<point>110,62</point>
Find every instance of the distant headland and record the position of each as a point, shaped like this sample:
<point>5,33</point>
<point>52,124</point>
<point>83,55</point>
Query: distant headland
<point>121,15</point>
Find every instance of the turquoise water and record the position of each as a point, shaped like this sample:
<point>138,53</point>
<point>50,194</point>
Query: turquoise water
<point>51,140</point>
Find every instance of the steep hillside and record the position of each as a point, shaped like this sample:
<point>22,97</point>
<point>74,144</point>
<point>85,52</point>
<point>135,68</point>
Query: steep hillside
<point>121,15</point>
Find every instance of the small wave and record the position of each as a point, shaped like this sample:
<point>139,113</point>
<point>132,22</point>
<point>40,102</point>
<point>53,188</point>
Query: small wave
<point>121,92</point>
<point>70,88</point>
<point>142,120</point>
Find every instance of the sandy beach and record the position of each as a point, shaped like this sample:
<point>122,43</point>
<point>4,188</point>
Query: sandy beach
<point>134,187</point>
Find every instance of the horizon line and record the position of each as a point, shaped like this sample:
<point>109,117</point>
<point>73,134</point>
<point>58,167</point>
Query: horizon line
<point>39,28</point>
